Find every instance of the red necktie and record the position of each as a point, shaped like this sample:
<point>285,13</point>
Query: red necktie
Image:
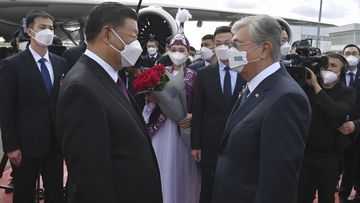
<point>122,87</point>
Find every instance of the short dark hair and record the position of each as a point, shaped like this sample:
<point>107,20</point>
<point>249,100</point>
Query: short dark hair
<point>295,44</point>
<point>222,29</point>
<point>206,37</point>
<point>108,13</point>
<point>351,45</point>
<point>30,18</point>
<point>153,40</point>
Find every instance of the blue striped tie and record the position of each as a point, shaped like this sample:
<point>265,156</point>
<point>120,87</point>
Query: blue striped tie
<point>45,76</point>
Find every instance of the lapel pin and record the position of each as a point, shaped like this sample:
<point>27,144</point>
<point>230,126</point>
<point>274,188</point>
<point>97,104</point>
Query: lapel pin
<point>257,96</point>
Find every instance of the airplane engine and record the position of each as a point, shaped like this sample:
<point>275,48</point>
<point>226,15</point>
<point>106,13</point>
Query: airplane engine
<point>286,25</point>
<point>155,23</point>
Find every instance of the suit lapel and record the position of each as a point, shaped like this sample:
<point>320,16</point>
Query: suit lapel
<point>34,70</point>
<point>57,75</point>
<point>111,86</point>
<point>218,91</point>
<point>357,79</point>
<point>253,99</point>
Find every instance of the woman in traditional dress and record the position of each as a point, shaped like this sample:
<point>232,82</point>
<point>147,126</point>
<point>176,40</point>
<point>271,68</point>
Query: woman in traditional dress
<point>180,178</point>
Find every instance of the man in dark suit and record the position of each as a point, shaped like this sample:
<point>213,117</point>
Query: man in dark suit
<point>351,155</point>
<point>104,139</point>
<point>73,54</point>
<point>211,108</point>
<point>152,55</point>
<point>207,53</point>
<point>264,139</point>
<point>29,86</point>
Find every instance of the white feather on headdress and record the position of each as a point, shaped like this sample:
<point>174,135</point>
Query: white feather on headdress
<point>182,16</point>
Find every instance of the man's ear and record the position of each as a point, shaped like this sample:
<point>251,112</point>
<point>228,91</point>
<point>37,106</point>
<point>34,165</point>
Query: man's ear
<point>105,34</point>
<point>267,48</point>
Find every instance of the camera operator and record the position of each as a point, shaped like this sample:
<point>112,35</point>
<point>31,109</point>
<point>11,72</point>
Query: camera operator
<point>330,101</point>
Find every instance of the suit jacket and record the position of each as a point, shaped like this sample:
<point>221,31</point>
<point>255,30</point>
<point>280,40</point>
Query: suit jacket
<point>27,112</point>
<point>73,54</point>
<point>355,112</point>
<point>196,66</point>
<point>210,113</point>
<point>104,139</point>
<point>147,62</point>
<point>263,144</point>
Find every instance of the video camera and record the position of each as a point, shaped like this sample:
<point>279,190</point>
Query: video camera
<point>306,56</point>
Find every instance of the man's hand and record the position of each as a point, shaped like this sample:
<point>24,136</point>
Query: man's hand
<point>196,153</point>
<point>312,81</point>
<point>152,98</point>
<point>186,122</point>
<point>15,157</point>
<point>347,128</point>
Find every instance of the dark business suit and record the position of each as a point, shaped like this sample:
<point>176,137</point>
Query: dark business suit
<point>106,145</point>
<point>210,114</point>
<point>351,155</point>
<point>147,61</point>
<point>263,144</point>
<point>196,66</point>
<point>27,123</point>
<point>73,54</point>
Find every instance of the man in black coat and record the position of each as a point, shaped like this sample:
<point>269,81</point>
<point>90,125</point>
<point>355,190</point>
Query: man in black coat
<point>73,54</point>
<point>264,139</point>
<point>106,145</point>
<point>210,112</point>
<point>29,85</point>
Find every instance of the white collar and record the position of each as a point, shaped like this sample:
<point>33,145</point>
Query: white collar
<point>37,57</point>
<point>354,71</point>
<point>112,73</point>
<point>262,75</point>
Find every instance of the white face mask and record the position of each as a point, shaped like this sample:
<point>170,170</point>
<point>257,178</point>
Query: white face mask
<point>131,51</point>
<point>238,59</point>
<point>328,77</point>
<point>44,37</point>
<point>177,58</point>
<point>206,53</point>
<point>22,46</point>
<point>352,60</point>
<point>222,52</point>
<point>284,49</point>
<point>151,51</point>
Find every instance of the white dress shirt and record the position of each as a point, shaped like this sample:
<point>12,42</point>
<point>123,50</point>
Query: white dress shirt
<point>233,76</point>
<point>112,72</point>
<point>48,64</point>
<point>262,75</point>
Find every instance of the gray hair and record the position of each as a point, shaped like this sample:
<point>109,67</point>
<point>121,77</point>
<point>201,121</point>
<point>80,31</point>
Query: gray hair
<point>262,28</point>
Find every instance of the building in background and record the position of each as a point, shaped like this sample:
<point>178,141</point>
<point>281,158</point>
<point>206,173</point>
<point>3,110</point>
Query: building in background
<point>343,35</point>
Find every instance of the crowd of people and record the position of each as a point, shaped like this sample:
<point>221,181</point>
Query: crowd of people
<point>256,134</point>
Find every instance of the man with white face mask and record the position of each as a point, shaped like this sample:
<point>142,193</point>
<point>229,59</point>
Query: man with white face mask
<point>29,86</point>
<point>351,172</point>
<point>217,89</point>
<point>207,54</point>
<point>330,101</point>
<point>98,124</point>
<point>152,55</point>
<point>263,142</point>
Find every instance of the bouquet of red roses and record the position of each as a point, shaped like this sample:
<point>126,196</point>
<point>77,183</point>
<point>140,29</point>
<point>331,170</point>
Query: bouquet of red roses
<point>152,79</point>
<point>168,88</point>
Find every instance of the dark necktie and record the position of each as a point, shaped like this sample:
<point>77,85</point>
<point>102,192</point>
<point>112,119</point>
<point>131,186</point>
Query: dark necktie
<point>352,78</point>
<point>45,76</point>
<point>244,95</point>
<point>122,87</point>
<point>227,86</point>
